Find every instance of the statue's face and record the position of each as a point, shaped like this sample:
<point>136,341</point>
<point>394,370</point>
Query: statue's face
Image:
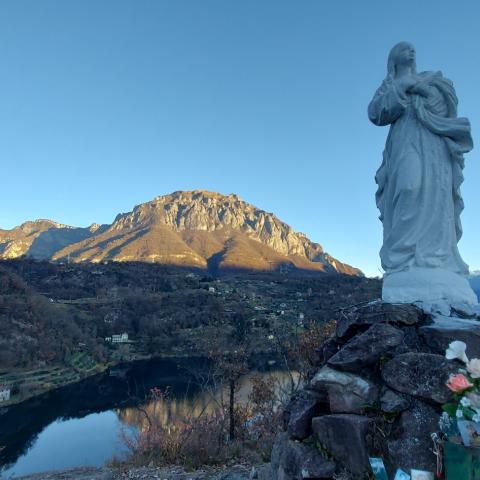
<point>405,54</point>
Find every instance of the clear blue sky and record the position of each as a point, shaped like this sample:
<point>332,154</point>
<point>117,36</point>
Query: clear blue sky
<point>105,104</point>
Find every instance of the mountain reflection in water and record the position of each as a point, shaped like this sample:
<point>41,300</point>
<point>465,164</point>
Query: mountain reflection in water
<point>81,424</point>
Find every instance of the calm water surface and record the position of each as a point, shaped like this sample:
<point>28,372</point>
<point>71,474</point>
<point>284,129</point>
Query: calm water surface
<point>82,425</point>
<point>90,440</point>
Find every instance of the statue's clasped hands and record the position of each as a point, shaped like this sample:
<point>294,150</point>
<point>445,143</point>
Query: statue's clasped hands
<point>420,88</point>
<point>410,85</point>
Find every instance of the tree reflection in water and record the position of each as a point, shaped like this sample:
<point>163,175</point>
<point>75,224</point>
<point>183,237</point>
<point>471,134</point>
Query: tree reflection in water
<point>173,408</point>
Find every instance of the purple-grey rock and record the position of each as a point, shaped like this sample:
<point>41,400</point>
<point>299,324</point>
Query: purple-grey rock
<point>293,460</point>
<point>301,409</point>
<point>360,318</point>
<point>347,438</point>
<point>445,330</point>
<point>410,444</point>
<point>326,351</point>
<point>347,392</point>
<point>422,375</point>
<point>365,349</point>
<point>391,402</point>
<point>412,342</point>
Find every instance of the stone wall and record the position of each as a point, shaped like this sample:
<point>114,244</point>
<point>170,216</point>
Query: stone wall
<point>377,391</point>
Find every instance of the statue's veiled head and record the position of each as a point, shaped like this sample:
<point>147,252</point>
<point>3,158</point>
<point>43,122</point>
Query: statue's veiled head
<point>402,54</point>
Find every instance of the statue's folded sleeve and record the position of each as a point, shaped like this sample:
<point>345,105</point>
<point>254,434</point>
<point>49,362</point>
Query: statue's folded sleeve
<point>388,104</point>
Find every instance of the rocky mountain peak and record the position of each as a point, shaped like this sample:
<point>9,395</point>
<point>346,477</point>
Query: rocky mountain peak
<point>41,224</point>
<point>196,228</point>
<point>210,211</point>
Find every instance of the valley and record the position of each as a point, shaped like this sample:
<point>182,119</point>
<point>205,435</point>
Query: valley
<point>64,322</point>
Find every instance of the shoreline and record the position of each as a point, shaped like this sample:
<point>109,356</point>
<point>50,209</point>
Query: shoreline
<point>107,368</point>
<point>88,376</point>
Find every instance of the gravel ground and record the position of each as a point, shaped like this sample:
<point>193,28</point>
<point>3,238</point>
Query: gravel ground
<point>235,472</point>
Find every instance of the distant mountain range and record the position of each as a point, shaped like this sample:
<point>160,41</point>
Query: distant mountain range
<point>198,228</point>
<point>475,282</point>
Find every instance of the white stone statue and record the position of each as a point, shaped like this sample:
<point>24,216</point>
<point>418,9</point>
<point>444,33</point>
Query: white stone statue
<point>419,183</point>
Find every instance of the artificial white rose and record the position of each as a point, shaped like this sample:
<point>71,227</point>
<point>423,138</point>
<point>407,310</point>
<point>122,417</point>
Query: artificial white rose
<point>473,368</point>
<point>474,400</point>
<point>457,350</point>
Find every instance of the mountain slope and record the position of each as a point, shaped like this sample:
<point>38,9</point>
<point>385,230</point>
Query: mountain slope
<point>202,229</point>
<point>41,238</point>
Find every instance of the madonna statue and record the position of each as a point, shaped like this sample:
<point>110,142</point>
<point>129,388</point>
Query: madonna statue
<point>419,183</point>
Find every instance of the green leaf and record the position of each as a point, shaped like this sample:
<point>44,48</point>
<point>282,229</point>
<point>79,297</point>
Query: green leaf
<point>468,413</point>
<point>450,408</point>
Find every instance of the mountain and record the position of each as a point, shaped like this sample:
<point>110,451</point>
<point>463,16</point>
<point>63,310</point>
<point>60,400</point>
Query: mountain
<point>41,238</point>
<point>192,229</point>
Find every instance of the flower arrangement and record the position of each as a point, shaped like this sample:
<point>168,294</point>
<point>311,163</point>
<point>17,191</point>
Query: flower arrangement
<point>460,421</point>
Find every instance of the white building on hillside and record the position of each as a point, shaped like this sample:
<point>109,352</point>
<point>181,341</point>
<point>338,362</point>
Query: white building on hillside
<point>123,338</point>
<point>4,393</point>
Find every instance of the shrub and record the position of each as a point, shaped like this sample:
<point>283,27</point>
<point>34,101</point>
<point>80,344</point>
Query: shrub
<point>203,438</point>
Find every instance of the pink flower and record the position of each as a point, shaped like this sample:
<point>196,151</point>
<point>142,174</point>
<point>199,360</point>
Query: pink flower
<point>458,383</point>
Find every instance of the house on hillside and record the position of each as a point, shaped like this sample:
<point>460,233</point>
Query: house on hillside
<point>4,393</point>
<point>123,338</point>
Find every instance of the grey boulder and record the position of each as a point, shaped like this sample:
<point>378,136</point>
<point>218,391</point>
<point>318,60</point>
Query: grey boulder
<point>293,460</point>
<point>300,411</point>
<point>391,402</point>
<point>422,375</point>
<point>347,392</point>
<point>365,349</point>
<point>346,438</point>
<point>360,318</point>
<point>410,445</point>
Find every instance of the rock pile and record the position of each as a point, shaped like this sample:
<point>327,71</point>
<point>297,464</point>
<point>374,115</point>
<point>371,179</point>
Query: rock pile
<point>378,391</point>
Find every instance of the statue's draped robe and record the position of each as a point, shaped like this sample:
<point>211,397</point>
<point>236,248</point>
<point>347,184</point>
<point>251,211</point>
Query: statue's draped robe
<point>419,180</point>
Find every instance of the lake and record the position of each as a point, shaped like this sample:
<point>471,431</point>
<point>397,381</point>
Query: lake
<point>82,424</point>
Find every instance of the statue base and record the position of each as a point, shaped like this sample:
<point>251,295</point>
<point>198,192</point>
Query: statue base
<point>428,285</point>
